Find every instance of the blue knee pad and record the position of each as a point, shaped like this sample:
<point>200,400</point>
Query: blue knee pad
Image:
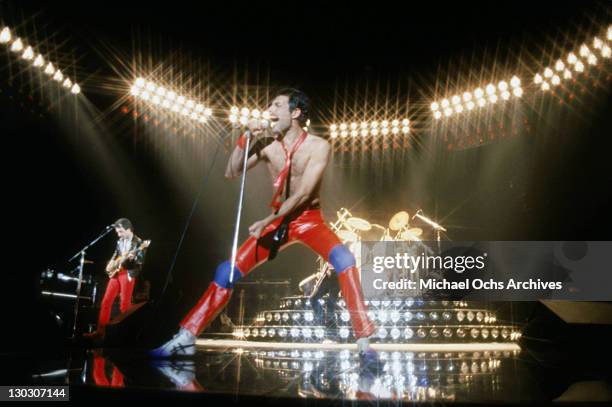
<point>222,274</point>
<point>341,258</point>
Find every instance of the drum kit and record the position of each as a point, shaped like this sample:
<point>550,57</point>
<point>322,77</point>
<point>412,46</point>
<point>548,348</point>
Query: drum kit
<point>353,230</point>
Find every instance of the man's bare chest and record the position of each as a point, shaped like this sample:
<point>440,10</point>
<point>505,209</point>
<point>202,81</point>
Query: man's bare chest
<point>276,160</point>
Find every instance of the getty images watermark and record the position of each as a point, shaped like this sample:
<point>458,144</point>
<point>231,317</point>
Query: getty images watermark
<point>496,270</point>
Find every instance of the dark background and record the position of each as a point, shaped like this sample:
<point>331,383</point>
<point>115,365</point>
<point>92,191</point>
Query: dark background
<point>72,168</point>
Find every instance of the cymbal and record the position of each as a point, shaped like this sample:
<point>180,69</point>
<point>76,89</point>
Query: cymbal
<point>347,236</point>
<point>412,234</point>
<point>359,224</point>
<point>399,220</point>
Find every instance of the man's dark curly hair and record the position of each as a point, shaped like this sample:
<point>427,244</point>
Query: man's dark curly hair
<point>297,100</point>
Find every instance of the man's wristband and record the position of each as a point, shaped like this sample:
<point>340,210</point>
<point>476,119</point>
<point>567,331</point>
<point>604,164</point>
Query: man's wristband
<point>241,142</point>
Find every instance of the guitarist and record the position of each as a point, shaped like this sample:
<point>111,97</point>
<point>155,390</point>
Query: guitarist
<point>123,269</point>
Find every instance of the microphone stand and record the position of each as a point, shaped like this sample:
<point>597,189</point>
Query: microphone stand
<point>239,210</point>
<point>81,254</point>
<point>431,223</point>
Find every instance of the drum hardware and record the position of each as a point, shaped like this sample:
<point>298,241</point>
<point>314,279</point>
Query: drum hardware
<point>438,228</point>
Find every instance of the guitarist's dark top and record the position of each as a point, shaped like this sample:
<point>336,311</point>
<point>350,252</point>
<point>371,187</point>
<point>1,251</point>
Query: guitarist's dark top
<point>133,266</point>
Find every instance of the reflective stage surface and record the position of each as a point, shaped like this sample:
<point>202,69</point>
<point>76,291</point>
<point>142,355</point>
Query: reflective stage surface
<point>323,373</point>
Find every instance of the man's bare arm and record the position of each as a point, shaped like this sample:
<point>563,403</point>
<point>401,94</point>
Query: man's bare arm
<point>236,160</point>
<point>234,165</point>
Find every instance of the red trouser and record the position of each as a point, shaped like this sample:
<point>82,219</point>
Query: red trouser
<point>118,285</point>
<point>308,228</point>
<point>99,373</point>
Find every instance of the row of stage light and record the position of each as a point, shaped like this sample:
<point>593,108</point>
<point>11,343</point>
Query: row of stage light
<point>574,65</point>
<point>463,102</point>
<point>19,47</point>
<point>459,103</point>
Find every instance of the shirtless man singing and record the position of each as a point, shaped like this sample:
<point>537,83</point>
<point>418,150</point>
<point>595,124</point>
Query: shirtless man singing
<point>296,161</point>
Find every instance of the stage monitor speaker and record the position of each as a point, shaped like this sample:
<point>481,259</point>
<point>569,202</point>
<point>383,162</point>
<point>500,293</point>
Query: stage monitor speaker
<point>569,328</point>
<point>126,328</point>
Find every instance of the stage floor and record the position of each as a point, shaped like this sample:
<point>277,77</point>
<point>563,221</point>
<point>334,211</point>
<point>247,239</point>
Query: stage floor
<point>330,373</point>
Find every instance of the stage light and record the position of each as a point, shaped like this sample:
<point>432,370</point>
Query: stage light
<point>67,83</point>
<point>333,127</point>
<point>609,36</point>
<point>395,123</point>
<point>408,333</point>
<point>592,59</point>
<point>559,65</point>
<point>58,76</point>
<point>502,86</point>
<point>181,100</point>
<point>49,69</point>
<point>567,74</point>
<point>572,58</point>
<point>537,79</point>
<point>161,91</point>
<point>364,132</point>
<point>190,104</point>
<point>344,133</point>
<point>243,120</point>
<point>5,35</point>
<point>382,333</point>
<point>437,115</point>
<point>481,102</point>
<point>384,131</point>
<point>151,87</point>
<point>28,54</point>
<point>395,333</point>
<point>505,95</point>
<point>458,108</point>
<point>385,123</point>
<point>445,103</point>
<point>38,61</point>
<point>374,124</point>
<point>140,82</point>
<point>405,122</point>
<point>597,43</point>
<point>256,114</point>
<point>548,73</point>
<point>343,126</point>
<point>455,100</point>
<point>584,51</point>
<point>493,98</point>
<point>470,105</point>
<point>518,92</point>
<point>344,333</point>
<point>353,126</point>
<point>354,133</point>
<point>579,66</point>
<point>605,51</point>
<point>405,129</point>
<point>448,111</point>
<point>478,93</point>
<point>17,45</point>
<point>555,80</point>
<point>490,89</point>
<point>374,132</point>
<point>76,89</point>
<point>467,96</point>
<point>515,82</point>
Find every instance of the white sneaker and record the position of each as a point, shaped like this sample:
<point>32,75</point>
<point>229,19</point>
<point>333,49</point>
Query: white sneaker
<point>181,344</point>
